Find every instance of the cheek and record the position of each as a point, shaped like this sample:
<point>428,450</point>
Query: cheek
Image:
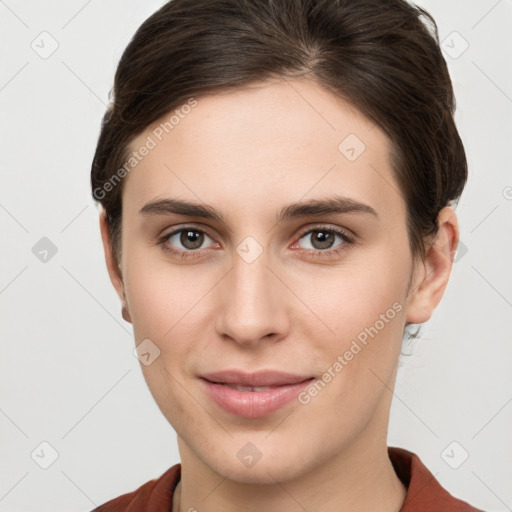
<point>167,307</point>
<point>164,308</point>
<point>342,303</point>
<point>357,329</point>
<point>163,297</point>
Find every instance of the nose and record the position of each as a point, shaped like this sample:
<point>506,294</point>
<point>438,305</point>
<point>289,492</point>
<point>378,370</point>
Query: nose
<point>253,303</point>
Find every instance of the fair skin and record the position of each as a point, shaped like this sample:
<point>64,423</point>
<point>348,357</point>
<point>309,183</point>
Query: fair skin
<point>249,153</point>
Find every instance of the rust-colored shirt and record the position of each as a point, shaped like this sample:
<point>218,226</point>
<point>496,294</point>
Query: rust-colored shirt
<point>424,493</point>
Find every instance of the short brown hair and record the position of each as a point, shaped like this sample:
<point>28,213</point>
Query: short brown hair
<point>377,55</point>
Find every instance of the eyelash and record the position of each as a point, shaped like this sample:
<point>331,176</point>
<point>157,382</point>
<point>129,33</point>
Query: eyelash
<point>347,241</point>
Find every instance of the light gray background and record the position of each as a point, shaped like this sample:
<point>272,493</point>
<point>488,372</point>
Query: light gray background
<point>68,373</point>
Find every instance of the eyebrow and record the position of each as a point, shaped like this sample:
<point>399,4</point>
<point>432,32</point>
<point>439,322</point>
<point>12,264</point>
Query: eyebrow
<point>314,207</point>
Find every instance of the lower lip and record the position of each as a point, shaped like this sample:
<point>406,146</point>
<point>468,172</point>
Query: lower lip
<point>253,404</point>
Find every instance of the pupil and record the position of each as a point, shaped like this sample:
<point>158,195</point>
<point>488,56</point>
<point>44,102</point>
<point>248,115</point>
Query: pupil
<point>324,239</point>
<point>191,237</point>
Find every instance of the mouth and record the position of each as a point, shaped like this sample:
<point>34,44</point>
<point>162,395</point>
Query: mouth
<point>253,395</point>
<point>248,388</point>
<point>258,379</point>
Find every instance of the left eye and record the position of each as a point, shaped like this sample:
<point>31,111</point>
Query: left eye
<point>323,238</point>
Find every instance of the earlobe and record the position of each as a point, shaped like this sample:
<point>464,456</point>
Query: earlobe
<point>125,313</point>
<point>431,278</point>
<point>113,271</point>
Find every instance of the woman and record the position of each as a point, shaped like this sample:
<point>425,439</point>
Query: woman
<point>277,180</point>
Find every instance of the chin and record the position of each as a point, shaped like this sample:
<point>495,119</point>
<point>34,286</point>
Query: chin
<point>260,473</point>
<point>236,465</point>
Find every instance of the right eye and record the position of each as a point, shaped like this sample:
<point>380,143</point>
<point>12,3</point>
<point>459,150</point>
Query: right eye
<point>189,237</point>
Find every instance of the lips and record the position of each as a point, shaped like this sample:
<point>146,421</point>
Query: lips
<point>249,388</point>
<point>252,395</point>
<point>262,378</point>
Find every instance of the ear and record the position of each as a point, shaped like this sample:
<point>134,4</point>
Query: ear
<point>431,276</point>
<point>113,271</point>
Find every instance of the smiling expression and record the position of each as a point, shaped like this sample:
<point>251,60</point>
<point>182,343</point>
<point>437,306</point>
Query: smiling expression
<point>266,231</point>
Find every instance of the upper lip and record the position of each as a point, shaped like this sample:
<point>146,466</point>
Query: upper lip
<point>259,378</point>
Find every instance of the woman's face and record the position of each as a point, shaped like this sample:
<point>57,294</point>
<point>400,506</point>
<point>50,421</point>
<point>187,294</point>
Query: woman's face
<point>308,291</point>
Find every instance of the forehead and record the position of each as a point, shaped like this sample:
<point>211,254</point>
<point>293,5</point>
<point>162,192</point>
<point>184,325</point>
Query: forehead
<point>272,142</point>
